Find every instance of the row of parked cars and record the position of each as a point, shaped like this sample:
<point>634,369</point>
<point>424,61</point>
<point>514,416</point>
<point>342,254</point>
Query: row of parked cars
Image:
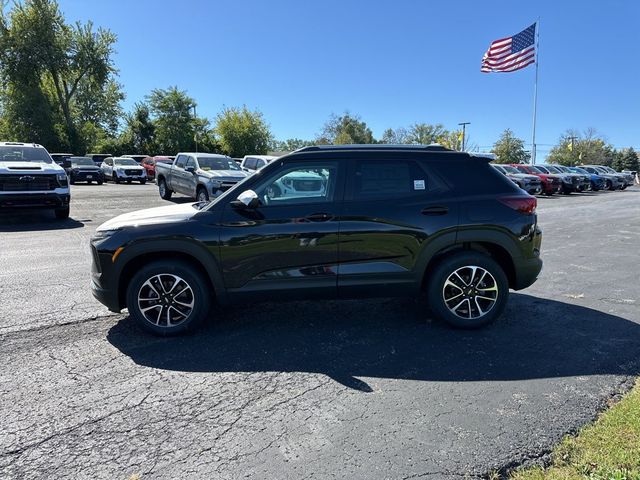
<point>551,179</point>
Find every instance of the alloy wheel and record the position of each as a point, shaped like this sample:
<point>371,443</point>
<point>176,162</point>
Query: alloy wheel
<point>166,300</point>
<point>470,292</point>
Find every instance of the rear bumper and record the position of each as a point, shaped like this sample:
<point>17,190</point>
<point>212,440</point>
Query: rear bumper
<point>527,272</point>
<point>34,200</point>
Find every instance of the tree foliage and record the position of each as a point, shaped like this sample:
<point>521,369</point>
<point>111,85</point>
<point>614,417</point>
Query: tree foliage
<point>241,132</point>
<point>575,148</point>
<point>510,149</point>
<point>290,144</point>
<point>345,129</point>
<point>626,159</point>
<point>59,79</point>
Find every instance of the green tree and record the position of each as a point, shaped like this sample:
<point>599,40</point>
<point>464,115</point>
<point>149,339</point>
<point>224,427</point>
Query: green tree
<point>139,133</point>
<point>510,149</point>
<point>176,126</point>
<point>345,129</point>
<point>574,148</point>
<point>290,144</point>
<point>62,71</point>
<point>626,160</point>
<point>241,132</point>
<point>396,137</point>
<point>424,133</point>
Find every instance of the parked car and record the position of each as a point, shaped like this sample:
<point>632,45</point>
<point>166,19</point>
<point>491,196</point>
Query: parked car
<point>123,169</point>
<point>59,158</point>
<point>529,183</point>
<point>628,178</point>
<point>137,158</point>
<point>390,221</point>
<point>82,169</point>
<point>569,183</point>
<point>149,164</point>
<point>598,182</point>
<point>612,182</point>
<point>29,178</point>
<point>550,183</point>
<point>583,184</point>
<point>98,158</point>
<point>198,175</point>
<point>252,163</point>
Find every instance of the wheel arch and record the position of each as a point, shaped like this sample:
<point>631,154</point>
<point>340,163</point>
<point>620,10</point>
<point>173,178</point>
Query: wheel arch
<point>134,257</point>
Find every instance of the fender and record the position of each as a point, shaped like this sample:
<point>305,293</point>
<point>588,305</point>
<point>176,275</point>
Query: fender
<point>491,234</point>
<point>193,248</point>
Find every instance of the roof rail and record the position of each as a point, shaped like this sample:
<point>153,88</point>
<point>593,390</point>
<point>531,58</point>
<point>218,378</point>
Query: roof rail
<point>376,146</point>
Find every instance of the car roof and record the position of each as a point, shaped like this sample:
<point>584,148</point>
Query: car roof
<point>261,157</point>
<point>202,154</point>
<point>20,144</point>
<point>375,147</point>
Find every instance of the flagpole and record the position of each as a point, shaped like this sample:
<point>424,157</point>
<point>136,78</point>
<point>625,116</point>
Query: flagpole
<point>535,98</point>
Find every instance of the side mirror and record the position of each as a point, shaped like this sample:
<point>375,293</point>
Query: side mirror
<point>247,199</point>
<point>190,169</point>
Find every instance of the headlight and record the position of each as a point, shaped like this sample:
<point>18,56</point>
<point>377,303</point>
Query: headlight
<point>62,179</point>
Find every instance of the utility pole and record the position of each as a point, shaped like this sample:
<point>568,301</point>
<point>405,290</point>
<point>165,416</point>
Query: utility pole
<point>464,124</point>
<point>195,133</point>
<point>573,155</point>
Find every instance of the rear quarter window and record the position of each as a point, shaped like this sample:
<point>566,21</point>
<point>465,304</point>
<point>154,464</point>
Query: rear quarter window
<point>473,176</point>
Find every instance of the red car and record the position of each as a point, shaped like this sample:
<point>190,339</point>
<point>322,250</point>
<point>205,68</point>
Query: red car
<point>550,183</point>
<point>149,164</point>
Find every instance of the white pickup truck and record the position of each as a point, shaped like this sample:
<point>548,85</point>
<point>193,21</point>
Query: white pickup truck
<point>29,178</point>
<point>198,175</point>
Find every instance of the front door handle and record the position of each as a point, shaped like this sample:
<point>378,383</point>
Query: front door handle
<point>319,217</point>
<point>433,211</point>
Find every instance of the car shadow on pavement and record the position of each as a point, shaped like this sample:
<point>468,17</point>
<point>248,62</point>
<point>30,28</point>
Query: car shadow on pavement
<point>32,221</point>
<point>389,338</point>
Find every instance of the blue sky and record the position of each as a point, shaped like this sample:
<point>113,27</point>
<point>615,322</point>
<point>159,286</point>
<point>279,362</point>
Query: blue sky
<point>393,63</point>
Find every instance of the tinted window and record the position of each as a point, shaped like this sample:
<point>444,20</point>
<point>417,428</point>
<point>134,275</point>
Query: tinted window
<point>108,161</point>
<point>82,161</point>
<point>259,164</point>
<point>125,162</point>
<point>180,161</point>
<point>250,164</point>
<point>191,163</point>
<point>308,183</point>
<point>381,179</point>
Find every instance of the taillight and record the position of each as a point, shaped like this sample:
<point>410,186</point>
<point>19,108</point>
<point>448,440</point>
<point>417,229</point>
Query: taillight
<point>522,204</point>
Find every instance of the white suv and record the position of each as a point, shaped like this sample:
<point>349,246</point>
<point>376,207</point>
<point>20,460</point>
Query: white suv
<point>253,163</point>
<point>29,178</point>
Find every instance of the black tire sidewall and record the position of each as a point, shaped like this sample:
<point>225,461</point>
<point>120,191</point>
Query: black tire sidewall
<point>446,267</point>
<point>201,291</point>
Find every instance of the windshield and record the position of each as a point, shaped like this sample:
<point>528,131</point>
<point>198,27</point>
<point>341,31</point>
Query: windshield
<point>578,170</point>
<point>124,161</point>
<point>552,169</point>
<point>17,153</point>
<point>82,161</point>
<point>213,163</point>
<point>536,169</point>
<point>510,169</point>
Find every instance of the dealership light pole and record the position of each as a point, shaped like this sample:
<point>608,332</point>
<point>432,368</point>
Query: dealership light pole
<point>195,133</point>
<point>464,125</point>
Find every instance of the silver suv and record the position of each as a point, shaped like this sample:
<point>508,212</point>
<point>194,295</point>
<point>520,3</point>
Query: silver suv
<point>29,178</point>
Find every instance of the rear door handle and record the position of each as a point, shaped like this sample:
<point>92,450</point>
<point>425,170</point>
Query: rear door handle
<point>433,211</point>
<point>319,217</point>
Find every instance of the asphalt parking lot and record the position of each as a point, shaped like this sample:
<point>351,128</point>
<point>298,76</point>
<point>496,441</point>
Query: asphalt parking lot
<point>349,389</point>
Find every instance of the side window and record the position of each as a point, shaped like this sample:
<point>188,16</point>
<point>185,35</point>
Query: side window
<point>385,179</point>
<point>181,161</point>
<point>259,164</point>
<point>300,184</point>
<point>250,164</point>
<point>190,162</point>
<point>109,161</point>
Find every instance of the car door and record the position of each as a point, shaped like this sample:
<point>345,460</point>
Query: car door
<point>288,245</point>
<point>190,178</point>
<point>107,167</point>
<point>177,175</point>
<point>394,209</point>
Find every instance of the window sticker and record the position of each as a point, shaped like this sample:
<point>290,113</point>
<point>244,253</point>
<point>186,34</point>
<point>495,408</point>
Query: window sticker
<point>418,185</point>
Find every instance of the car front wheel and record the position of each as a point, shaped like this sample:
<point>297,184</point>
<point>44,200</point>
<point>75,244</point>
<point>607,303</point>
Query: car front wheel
<point>168,297</point>
<point>164,191</point>
<point>467,290</point>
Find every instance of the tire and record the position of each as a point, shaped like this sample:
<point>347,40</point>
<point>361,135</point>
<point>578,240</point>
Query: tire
<point>129,182</point>
<point>142,182</point>
<point>164,191</point>
<point>173,275</point>
<point>609,185</point>
<point>463,263</point>
<point>88,182</point>
<point>116,180</point>
<point>62,213</point>
<point>202,195</point>
<point>72,181</point>
<point>99,182</point>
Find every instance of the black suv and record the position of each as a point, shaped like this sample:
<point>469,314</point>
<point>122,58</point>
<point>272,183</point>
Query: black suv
<point>345,222</point>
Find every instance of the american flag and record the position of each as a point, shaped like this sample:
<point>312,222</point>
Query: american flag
<point>511,53</point>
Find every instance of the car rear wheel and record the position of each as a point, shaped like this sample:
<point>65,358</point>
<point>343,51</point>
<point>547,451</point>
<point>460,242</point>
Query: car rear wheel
<point>168,297</point>
<point>467,290</point>
<point>142,182</point>
<point>164,191</point>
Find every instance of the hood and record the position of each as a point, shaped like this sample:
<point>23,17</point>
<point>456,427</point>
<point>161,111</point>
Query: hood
<point>129,167</point>
<point>84,167</point>
<point>525,176</point>
<point>25,167</point>
<point>231,174</point>
<point>152,216</point>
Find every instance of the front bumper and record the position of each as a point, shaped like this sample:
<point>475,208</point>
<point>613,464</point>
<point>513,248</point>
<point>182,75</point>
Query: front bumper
<point>87,176</point>
<point>123,176</point>
<point>35,200</point>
